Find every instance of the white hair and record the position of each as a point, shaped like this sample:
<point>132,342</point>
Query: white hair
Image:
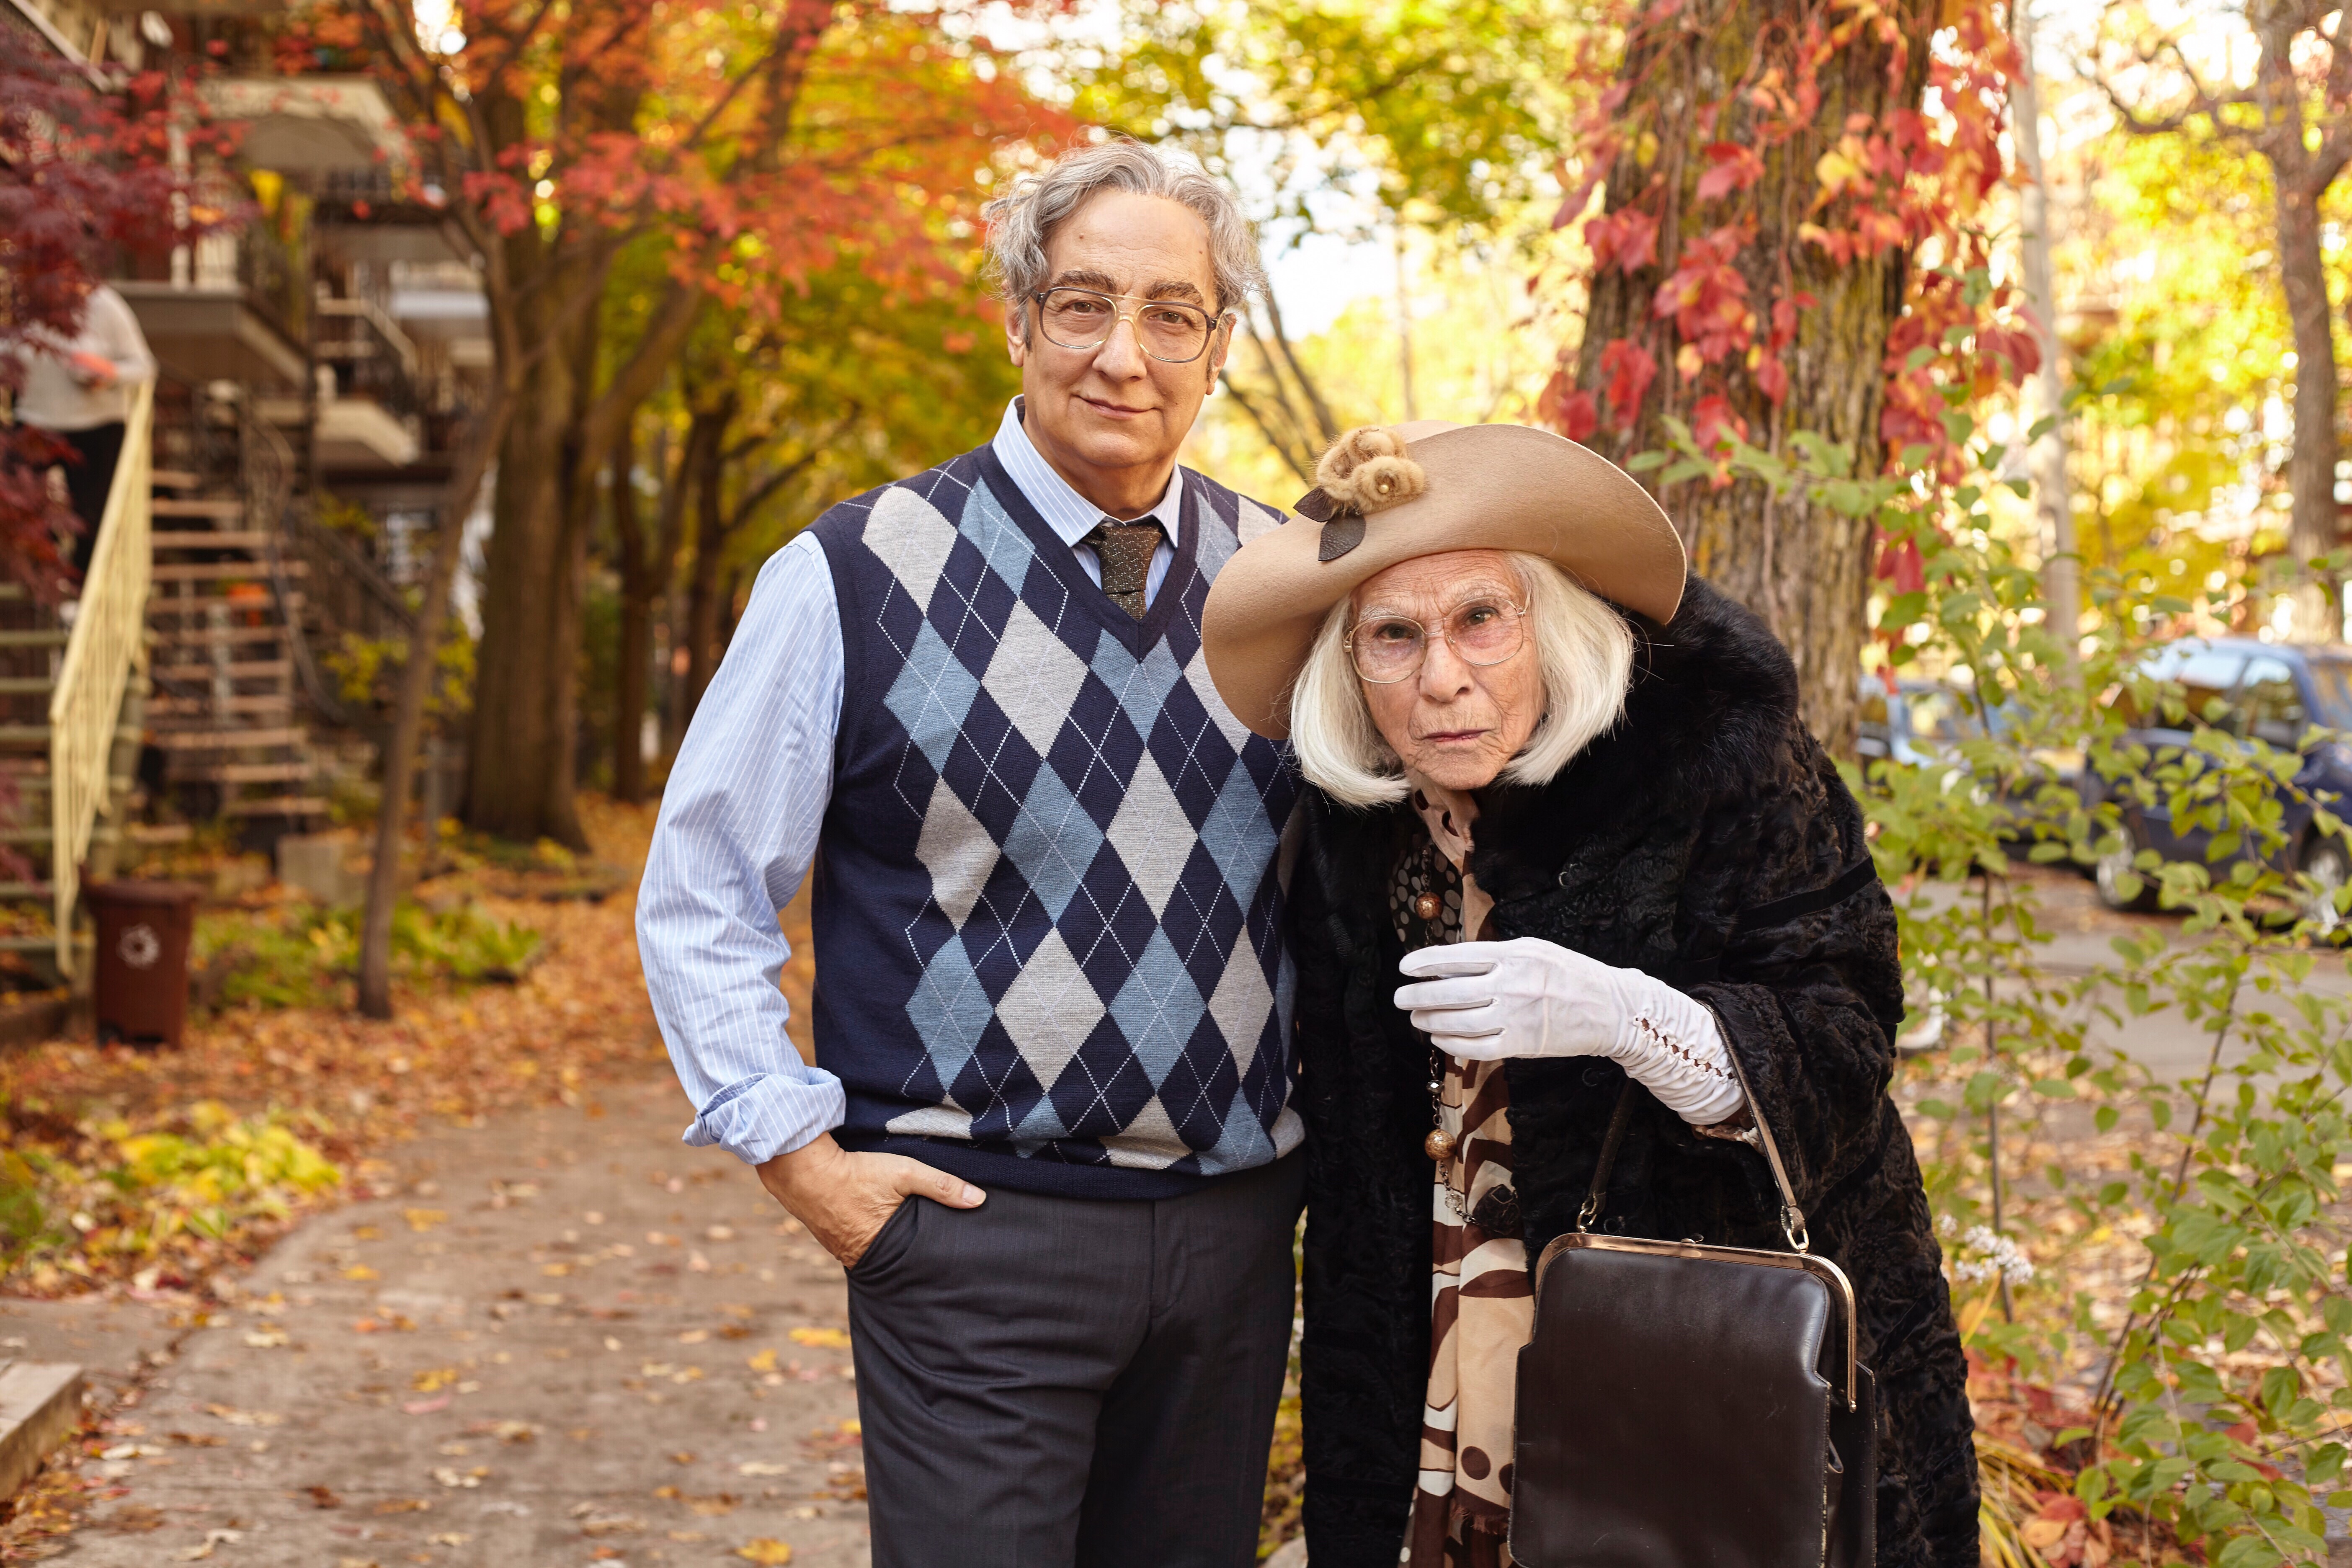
<point>1585,651</point>
<point>1022,224</point>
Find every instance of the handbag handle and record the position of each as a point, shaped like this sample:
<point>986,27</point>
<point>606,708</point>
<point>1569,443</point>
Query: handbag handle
<point>1792,1217</point>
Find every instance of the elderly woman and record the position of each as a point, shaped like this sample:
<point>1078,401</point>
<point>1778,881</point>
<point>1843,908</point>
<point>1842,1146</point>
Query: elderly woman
<point>1566,799</point>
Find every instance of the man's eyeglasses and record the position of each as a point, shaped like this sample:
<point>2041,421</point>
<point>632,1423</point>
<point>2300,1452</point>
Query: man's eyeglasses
<point>1170,330</point>
<point>1386,649</point>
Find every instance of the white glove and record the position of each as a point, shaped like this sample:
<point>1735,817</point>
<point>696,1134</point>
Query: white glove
<point>1484,1001</point>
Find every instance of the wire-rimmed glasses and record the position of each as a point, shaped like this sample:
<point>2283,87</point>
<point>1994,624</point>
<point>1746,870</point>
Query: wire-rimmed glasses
<point>1169,330</point>
<point>1386,649</point>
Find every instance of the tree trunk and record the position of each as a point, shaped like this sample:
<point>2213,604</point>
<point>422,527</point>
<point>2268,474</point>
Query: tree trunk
<point>636,651</point>
<point>2062,591</point>
<point>526,700</point>
<point>1803,567</point>
<point>709,550</point>
<point>2311,468</point>
<point>416,677</point>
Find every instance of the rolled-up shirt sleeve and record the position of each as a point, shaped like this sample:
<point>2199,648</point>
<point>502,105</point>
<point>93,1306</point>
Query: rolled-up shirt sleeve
<point>738,829</point>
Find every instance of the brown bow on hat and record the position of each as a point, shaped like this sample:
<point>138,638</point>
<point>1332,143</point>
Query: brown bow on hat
<point>1386,495</point>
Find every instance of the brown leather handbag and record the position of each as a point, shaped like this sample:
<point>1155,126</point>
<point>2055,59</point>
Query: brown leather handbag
<point>1683,1405</point>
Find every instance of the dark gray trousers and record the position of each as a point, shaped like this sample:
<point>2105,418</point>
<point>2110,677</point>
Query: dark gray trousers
<point>1070,1382</point>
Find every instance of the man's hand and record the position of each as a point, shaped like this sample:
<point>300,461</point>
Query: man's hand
<point>845,1199</point>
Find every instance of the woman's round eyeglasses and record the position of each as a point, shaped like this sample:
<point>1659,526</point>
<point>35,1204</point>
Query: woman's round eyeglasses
<point>1167,330</point>
<point>1386,649</point>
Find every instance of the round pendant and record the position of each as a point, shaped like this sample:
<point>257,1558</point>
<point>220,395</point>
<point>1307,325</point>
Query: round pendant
<point>1426,905</point>
<point>1439,1144</point>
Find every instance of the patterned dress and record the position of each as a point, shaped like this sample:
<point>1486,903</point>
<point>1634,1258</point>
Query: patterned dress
<point>1482,1309</point>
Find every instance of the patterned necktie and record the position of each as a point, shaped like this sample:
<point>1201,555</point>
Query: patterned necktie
<point>1125,550</point>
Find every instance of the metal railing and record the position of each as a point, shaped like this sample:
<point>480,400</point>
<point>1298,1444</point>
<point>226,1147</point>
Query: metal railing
<point>108,637</point>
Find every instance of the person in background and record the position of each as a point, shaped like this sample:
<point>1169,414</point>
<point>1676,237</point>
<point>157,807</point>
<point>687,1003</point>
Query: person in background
<point>79,392</point>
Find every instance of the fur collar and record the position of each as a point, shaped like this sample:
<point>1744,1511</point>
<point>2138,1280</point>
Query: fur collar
<point>1713,705</point>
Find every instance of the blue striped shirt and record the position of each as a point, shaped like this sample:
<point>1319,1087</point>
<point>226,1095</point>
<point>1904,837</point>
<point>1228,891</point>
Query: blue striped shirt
<point>738,825</point>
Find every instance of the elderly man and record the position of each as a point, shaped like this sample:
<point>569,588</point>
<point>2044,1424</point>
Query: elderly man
<point>1048,1131</point>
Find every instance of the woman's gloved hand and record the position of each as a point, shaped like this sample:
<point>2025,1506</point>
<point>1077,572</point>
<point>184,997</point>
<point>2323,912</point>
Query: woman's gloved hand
<point>1484,1001</point>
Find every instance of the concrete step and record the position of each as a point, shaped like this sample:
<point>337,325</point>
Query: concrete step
<point>40,1401</point>
<point>206,636</point>
<point>278,805</point>
<point>235,670</point>
<point>272,704</point>
<point>224,740</point>
<point>221,571</point>
<point>250,772</point>
<point>223,540</point>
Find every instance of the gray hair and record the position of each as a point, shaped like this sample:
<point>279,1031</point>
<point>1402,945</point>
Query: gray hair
<point>1586,654</point>
<point>1021,224</point>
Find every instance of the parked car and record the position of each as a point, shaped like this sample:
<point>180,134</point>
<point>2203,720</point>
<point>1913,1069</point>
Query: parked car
<point>1918,721</point>
<point>1925,722</point>
<point>2269,692</point>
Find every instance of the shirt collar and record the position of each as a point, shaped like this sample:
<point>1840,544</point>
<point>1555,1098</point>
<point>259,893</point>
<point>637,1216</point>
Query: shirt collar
<point>1069,514</point>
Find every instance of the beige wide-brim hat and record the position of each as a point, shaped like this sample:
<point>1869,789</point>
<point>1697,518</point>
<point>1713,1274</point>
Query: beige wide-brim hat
<point>1386,495</point>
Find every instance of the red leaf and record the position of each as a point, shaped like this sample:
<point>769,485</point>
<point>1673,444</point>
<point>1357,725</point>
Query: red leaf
<point>1731,167</point>
<point>1714,423</point>
<point>1630,369</point>
<point>1627,238</point>
<point>1568,409</point>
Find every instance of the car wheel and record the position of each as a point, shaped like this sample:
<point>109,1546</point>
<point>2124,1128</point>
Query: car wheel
<point>2114,873</point>
<point>2329,866</point>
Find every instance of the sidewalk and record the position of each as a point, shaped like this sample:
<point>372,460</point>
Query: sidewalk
<point>569,1340</point>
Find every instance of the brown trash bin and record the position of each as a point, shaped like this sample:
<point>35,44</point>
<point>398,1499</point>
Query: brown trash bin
<point>140,992</point>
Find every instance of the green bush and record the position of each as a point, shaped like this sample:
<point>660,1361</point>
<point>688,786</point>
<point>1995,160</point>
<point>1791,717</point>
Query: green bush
<point>2217,1404</point>
<point>301,962</point>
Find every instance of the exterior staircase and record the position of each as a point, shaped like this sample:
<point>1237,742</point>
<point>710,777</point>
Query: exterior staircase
<point>225,713</point>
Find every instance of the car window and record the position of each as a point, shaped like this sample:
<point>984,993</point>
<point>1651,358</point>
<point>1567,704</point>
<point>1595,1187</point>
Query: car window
<point>2272,702</point>
<point>1937,715</point>
<point>2331,684</point>
<point>2205,674</point>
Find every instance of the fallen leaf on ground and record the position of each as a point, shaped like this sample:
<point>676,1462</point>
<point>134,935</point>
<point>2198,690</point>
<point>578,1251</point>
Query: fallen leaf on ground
<point>323,1497</point>
<point>245,1418</point>
<point>424,1406</point>
<point>214,1538</point>
<point>765,1551</point>
<point>361,1272</point>
<point>761,1467</point>
<point>403,1505</point>
<point>821,1338</point>
<point>433,1379</point>
<point>764,1361</point>
<point>423,1219</point>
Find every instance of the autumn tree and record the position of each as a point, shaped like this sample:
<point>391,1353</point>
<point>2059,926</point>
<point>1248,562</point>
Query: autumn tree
<point>770,414</point>
<point>753,144</point>
<point>1782,250</point>
<point>1443,119</point>
<point>2294,108</point>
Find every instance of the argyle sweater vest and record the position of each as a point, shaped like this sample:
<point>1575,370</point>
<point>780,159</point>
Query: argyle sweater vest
<point>1048,907</point>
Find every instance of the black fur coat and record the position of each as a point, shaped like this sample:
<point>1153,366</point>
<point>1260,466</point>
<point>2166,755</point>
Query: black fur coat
<point>1710,802</point>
